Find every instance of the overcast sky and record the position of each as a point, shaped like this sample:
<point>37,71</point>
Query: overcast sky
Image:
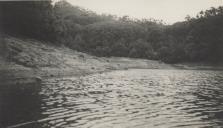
<point>168,10</point>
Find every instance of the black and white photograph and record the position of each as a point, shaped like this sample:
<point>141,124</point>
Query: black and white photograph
<point>111,63</point>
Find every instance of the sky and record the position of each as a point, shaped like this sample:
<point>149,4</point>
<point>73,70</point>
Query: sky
<point>170,11</point>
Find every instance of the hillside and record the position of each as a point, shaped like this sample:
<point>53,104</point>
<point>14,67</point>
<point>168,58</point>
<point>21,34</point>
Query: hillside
<point>197,39</point>
<point>27,59</point>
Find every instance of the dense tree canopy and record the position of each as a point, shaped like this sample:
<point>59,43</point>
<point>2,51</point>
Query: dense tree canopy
<point>27,18</point>
<point>198,38</point>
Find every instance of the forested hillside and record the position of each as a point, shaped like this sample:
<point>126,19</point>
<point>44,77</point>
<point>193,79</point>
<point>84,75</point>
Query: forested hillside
<point>197,39</point>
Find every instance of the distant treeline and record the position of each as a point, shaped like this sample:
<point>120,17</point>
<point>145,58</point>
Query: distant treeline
<point>197,39</point>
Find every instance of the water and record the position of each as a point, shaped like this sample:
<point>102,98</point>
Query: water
<point>126,99</point>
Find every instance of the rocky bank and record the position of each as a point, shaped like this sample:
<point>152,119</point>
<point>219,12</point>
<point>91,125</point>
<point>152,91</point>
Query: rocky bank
<point>28,60</point>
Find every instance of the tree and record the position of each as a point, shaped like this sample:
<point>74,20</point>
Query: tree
<point>27,18</point>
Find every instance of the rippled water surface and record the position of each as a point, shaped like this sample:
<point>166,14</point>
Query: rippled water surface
<point>131,99</point>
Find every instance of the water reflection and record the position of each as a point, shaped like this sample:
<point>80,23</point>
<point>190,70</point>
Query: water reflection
<point>209,98</point>
<point>19,104</point>
<point>131,99</point>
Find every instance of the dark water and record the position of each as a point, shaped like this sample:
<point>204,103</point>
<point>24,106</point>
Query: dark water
<point>123,99</point>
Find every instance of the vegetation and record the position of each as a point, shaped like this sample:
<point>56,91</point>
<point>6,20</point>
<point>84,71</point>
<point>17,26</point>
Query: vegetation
<point>198,38</point>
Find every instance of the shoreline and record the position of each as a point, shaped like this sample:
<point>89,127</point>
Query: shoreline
<point>30,60</point>
<point>23,76</point>
<point>32,76</point>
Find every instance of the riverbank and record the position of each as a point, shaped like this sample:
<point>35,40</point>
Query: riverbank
<point>27,60</point>
<point>199,66</point>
